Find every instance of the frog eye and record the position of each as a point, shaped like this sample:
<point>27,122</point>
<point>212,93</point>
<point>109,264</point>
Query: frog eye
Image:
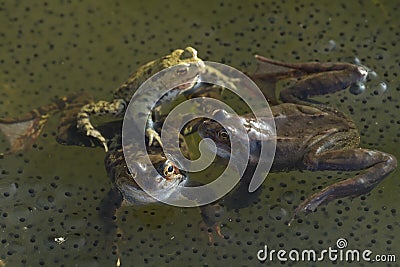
<point>168,169</point>
<point>182,70</point>
<point>223,135</point>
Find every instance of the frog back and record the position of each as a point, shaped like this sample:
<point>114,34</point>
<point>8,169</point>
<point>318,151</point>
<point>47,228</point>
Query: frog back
<point>299,128</point>
<point>178,56</point>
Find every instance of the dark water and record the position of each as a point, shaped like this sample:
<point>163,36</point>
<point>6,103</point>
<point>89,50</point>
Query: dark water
<point>53,191</point>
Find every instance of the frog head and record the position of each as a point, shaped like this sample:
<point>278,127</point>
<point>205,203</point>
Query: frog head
<point>160,180</point>
<point>185,68</point>
<point>211,128</point>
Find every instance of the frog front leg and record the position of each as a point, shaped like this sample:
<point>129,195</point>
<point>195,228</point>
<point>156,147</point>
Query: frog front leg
<point>151,133</point>
<point>316,78</point>
<point>99,108</point>
<point>376,165</point>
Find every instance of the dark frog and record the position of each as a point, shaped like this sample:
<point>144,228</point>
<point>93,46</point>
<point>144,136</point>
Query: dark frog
<point>309,135</point>
<point>162,178</point>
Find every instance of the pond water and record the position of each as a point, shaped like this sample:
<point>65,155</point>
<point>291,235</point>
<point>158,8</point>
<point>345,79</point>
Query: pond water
<point>50,195</point>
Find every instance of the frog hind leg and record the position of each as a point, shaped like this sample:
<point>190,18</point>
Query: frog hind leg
<point>108,214</point>
<point>115,107</point>
<point>108,209</point>
<point>316,78</point>
<point>69,134</point>
<point>376,165</point>
<point>22,133</point>
<point>211,214</point>
<point>321,84</point>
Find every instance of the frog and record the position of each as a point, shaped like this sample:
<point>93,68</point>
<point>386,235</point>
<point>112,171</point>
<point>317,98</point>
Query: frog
<point>168,180</point>
<point>309,135</point>
<point>187,65</point>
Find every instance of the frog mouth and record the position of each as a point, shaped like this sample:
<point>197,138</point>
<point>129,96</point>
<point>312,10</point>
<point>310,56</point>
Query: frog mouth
<point>172,181</point>
<point>189,84</point>
<point>173,177</point>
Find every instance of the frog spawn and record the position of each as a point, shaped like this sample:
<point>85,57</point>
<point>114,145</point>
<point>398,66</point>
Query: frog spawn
<point>275,212</point>
<point>154,228</point>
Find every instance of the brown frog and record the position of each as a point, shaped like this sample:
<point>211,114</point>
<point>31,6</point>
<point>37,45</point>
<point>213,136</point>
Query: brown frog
<point>187,69</point>
<point>309,135</point>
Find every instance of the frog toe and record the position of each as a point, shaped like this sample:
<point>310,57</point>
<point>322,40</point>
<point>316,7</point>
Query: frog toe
<point>309,205</point>
<point>153,135</point>
<point>217,230</point>
<point>97,135</point>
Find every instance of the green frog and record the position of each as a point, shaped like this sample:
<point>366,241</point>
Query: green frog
<point>309,135</point>
<point>188,67</point>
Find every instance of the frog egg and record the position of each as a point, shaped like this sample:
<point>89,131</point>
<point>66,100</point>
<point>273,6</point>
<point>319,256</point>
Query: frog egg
<point>357,88</point>
<point>276,212</point>
<point>380,88</point>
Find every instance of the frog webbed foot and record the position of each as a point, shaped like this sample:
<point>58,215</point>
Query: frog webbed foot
<point>211,215</point>
<point>22,133</point>
<point>210,233</point>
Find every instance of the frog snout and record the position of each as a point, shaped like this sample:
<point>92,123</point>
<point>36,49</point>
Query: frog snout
<point>363,72</point>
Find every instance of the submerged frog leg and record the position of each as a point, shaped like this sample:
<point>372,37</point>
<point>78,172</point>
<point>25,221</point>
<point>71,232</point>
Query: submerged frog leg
<point>151,133</point>
<point>316,78</point>
<point>67,132</point>
<point>376,165</point>
<point>108,212</point>
<point>22,132</point>
<point>99,108</point>
<point>211,215</point>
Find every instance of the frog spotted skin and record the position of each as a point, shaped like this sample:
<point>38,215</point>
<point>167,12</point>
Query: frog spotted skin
<point>122,96</point>
<point>166,181</point>
<point>310,136</point>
